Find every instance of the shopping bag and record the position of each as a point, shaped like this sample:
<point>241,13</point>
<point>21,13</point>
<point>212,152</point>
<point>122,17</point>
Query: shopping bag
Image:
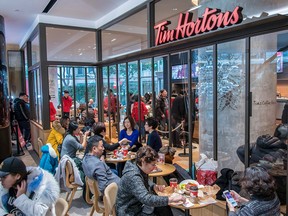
<point>21,138</point>
<point>206,177</point>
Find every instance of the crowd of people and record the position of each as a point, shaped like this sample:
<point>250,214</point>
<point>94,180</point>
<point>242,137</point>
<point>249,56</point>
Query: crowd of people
<point>34,190</point>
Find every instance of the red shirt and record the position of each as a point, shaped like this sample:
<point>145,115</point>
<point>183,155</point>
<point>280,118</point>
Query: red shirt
<point>52,112</point>
<point>67,103</point>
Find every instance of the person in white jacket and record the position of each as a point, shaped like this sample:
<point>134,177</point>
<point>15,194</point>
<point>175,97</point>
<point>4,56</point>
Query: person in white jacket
<point>26,190</point>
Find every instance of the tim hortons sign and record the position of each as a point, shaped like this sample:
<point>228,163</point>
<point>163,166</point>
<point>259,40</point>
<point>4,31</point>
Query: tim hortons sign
<point>212,19</point>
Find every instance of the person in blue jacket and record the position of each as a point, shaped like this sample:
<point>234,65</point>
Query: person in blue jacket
<point>49,159</point>
<point>130,133</point>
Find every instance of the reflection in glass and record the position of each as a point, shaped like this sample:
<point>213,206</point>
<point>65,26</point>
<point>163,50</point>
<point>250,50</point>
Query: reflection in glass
<point>202,59</point>
<point>35,50</point>
<point>231,102</point>
<point>122,95</point>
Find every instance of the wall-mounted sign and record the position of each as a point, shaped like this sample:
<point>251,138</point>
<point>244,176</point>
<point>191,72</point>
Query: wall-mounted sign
<point>212,19</point>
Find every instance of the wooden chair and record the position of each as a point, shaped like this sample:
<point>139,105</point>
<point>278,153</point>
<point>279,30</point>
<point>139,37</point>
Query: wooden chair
<point>69,179</point>
<point>109,198</point>
<point>61,207</point>
<point>92,186</point>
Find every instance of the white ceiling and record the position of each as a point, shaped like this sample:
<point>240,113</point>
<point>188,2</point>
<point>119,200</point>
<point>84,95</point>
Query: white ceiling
<point>20,15</point>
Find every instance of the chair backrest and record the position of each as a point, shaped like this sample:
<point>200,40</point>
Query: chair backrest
<point>61,207</point>
<point>92,186</point>
<point>109,198</point>
<point>69,174</point>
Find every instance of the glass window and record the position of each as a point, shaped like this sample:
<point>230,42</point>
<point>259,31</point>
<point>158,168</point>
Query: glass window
<point>125,36</point>
<point>122,94</point>
<point>231,102</point>
<point>70,45</point>
<point>92,90</point>
<point>37,96</point>
<point>202,64</point>
<point>35,50</point>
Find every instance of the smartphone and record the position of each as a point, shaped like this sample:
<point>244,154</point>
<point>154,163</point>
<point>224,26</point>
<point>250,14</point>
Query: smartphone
<point>228,195</point>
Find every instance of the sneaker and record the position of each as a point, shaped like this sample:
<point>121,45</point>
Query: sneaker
<point>28,144</point>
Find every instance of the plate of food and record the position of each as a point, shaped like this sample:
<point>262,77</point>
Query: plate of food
<point>186,184</point>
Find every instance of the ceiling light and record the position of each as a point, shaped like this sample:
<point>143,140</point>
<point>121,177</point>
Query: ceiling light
<point>174,9</point>
<point>114,39</point>
<point>80,53</point>
<point>195,2</point>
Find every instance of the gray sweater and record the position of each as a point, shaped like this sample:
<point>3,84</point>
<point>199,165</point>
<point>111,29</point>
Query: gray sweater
<point>259,208</point>
<point>134,191</point>
<point>70,146</point>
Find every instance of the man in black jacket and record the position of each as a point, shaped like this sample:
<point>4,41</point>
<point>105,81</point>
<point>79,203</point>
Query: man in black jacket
<point>22,115</point>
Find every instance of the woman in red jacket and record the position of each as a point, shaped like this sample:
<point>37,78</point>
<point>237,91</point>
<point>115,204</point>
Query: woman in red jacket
<point>52,110</point>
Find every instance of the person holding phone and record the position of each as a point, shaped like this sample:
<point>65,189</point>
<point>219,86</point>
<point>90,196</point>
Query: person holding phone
<point>263,199</point>
<point>29,191</point>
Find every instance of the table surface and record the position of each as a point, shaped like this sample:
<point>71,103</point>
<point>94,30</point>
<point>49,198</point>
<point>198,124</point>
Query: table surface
<point>168,191</point>
<point>166,170</point>
<point>130,156</point>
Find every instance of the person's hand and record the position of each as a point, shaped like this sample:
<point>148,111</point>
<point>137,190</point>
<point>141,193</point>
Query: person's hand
<point>21,189</point>
<point>159,188</point>
<point>102,158</point>
<point>176,199</point>
<point>163,115</point>
<point>10,214</point>
<point>87,133</point>
<point>237,197</point>
<point>123,141</point>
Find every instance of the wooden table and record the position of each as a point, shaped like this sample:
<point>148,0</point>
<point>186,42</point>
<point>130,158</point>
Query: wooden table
<point>168,192</point>
<point>167,169</point>
<point>110,159</point>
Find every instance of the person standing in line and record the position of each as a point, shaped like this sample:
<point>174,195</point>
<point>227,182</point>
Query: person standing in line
<point>67,103</point>
<point>161,110</point>
<point>113,104</point>
<point>22,115</point>
<point>52,110</point>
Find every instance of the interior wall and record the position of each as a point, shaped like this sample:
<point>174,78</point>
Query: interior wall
<point>282,87</point>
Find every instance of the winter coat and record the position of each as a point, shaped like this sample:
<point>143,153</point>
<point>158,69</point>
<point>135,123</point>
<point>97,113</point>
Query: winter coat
<point>21,110</point>
<point>160,108</point>
<point>56,136</point>
<point>135,110</point>
<point>61,173</point>
<point>67,103</point>
<point>46,192</point>
<point>49,159</point>
<point>266,145</point>
<point>52,112</point>
<point>135,190</point>
<point>259,206</point>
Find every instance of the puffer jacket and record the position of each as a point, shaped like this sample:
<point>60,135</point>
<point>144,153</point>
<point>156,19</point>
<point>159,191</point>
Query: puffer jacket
<point>134,191</point>
<point>267,147</point>
<point>45,189</point>
<point>56,136</point>
<point>49,159</point>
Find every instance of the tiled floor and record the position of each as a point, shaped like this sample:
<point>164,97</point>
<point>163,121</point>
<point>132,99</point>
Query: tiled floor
<point>79,206</point>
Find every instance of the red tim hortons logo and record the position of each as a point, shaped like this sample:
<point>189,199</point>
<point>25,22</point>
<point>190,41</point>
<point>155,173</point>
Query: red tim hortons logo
<point>211,19</point>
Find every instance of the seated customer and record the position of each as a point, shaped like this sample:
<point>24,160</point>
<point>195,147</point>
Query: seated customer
<point>26,190</point>
<point>94,167</point>
<point>71,144</point>
<point>154,140</point>
<point>56,135</point>
<point>99,130</point>
<point>261,187</point>
<point>135,192</point>
<point>130,133</point>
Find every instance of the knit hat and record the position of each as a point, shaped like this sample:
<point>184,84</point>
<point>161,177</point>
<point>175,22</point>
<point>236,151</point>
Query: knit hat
<point>12,165</point>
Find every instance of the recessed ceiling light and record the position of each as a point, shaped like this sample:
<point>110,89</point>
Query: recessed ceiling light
<point>114,39</point>
<point>174,9</point>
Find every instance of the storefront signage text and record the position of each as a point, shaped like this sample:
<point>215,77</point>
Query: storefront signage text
<point>212,19</point>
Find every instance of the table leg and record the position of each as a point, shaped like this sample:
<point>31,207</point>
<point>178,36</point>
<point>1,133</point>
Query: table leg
<point>187,212</point>
<point>155,180</point>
